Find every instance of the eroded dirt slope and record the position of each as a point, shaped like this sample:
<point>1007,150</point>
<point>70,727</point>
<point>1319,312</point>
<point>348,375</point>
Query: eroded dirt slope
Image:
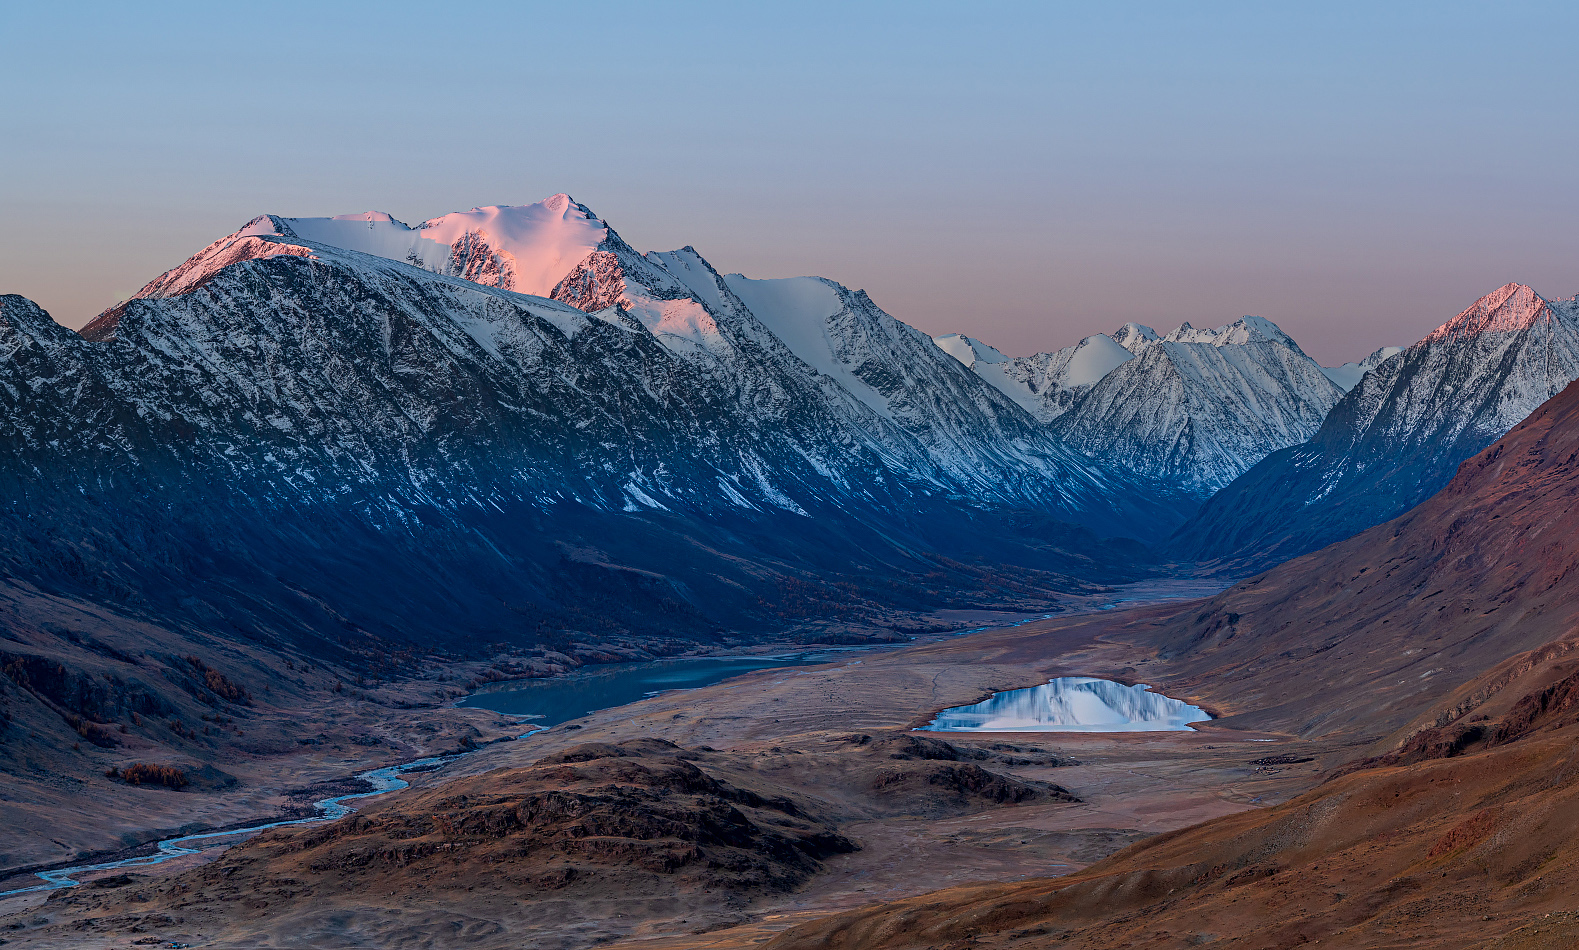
<point>587,843</point>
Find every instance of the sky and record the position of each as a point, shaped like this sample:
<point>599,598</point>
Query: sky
<point>1028,174</point>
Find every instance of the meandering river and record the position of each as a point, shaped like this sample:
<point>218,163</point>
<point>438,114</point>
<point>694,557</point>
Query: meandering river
<point>549,702</point>
<point>386,779</point>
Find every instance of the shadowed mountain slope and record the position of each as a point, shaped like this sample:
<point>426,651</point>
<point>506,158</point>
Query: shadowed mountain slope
<point>1398,435</point>
<point>333,449</point>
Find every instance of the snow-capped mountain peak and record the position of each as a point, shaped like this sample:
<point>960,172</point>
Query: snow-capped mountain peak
<point>1246,329</point>
<point>1091,359</point>
<point>258,238</point>
<point>541,241</point>
<point>1134,337</point>
<point>967,350</point>
<point>1509,308</point>
<point>1401,431</point>
<point>524,248</point>
<point>1198,407</point>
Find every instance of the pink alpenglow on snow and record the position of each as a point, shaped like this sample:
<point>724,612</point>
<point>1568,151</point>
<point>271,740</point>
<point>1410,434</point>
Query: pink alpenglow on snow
<point>1509,308</point>
<point>524,248</point>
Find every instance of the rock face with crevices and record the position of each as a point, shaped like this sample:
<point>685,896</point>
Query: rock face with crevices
<point>1398,435</point>
<point>365,441</point>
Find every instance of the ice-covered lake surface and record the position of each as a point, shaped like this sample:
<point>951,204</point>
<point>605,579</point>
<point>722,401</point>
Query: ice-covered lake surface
<point>1072,704</point>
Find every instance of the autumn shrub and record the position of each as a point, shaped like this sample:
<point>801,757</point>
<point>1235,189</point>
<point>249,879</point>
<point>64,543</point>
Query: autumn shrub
<point>99,734</point>
<point>139,773</point>
<point>219,684</point>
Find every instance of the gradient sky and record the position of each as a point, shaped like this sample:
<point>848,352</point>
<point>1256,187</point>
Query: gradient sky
<point>1028,174</point>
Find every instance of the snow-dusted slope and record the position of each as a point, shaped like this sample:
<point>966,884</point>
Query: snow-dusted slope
<point>528,350</point>
<point>1348,374</point>
<point>1193,408</point>
<point>1198,407</point>
<point>525,248</point>
<point>1045,384</point>
<point>768,347</point>
<point>282,435</point>
<point>376,441</point>
<point>971,431</point>
<point>1399,434</point>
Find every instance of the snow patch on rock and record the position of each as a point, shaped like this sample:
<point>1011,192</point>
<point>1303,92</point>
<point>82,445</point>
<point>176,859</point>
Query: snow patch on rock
<point>1348,375</point>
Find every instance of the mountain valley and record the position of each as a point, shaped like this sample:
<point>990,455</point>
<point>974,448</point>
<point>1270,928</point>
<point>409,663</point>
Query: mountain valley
<point>269,519</point>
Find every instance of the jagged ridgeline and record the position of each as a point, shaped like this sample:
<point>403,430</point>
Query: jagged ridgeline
<point>1193,409</point>
<point>1398,435</point>
<point>507,425</point>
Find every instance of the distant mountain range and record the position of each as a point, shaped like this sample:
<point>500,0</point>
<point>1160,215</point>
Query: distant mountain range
<point>1193,409</point>
<point>508,423</point>
<point>360,442</point>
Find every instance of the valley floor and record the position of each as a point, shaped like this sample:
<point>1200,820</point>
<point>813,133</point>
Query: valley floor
<point>1130,785</point>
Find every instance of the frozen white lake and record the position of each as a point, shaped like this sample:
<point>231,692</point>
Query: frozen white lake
<point>1072,704</point>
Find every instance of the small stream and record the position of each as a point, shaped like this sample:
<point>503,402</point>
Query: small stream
<point>386,779</point>
<point>542,703</point>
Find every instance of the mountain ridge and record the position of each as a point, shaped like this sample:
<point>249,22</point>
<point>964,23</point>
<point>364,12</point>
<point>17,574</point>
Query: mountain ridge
<point>1194,408</point>
<point>407,421</point>
<point>1398,435</point>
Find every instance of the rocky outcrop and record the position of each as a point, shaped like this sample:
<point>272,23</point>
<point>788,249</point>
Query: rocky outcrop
<point>1198,407</point>
<point>1191,410</point>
